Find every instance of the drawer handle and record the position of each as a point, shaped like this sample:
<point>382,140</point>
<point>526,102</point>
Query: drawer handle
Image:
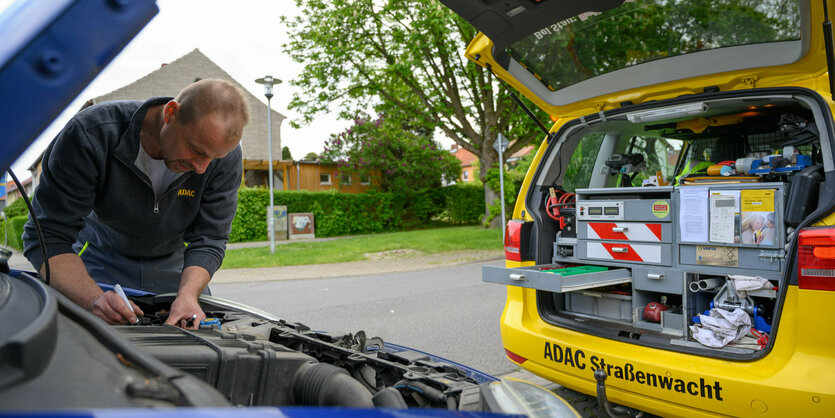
<point>655,276</point>
<point>620,229</point>
<point>620,249</point>
<point>517,276</point>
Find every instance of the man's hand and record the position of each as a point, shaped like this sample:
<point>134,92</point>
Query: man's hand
<point>110,307</point>
<point>185,312</point>
<point>70,278</point>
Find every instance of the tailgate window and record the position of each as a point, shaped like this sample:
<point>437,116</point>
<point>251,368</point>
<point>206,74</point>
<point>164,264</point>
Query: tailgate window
<point>592,44</point>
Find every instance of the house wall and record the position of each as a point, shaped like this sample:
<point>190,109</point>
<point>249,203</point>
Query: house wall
<point>301,175</point>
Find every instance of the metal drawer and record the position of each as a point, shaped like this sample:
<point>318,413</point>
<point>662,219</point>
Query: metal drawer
<point>535,278</point>
<point>717,257</point>
<point>660,254</point>
<point>626,231</point>
<point>662,280</point>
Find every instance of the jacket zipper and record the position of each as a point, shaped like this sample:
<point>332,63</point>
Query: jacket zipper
<point>180,180</point>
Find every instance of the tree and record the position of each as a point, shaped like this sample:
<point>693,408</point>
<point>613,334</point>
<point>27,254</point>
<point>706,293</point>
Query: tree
<point>399,157</point>
<point>285,153</point>
<point>311,156</point>
<point>403,58</point>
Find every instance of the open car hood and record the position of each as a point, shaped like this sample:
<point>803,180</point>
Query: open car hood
<point>50,52</point>
<point>578,57</point>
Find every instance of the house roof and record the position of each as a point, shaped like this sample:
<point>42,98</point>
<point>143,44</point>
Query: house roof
<point>522,152</point>
<point>465,157</point>
<point>12,186</point>
<point>169,79</point>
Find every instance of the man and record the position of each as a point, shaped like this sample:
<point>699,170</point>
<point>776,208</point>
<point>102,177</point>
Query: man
<point>141,194</point>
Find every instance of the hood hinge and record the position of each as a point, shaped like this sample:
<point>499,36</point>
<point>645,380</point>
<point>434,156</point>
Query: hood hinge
<point>750,81</point>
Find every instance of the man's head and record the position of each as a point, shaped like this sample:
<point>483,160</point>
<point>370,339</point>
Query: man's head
<point>203,123</point>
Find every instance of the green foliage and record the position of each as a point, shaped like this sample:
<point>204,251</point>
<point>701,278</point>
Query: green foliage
<point>17,208</point>
<point>311,156</point>
<point>285,153</point>
<point>361,213</point>
<point>396,157</point>
<point>15,231</point>
<point>579,170</point>
<point>402,59</point>
<point>513,177</point>
<point>646,30</point>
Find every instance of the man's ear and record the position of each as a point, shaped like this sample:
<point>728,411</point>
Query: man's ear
<point>171,109</point>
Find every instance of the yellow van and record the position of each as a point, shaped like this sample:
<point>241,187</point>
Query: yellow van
<point>672,231</point>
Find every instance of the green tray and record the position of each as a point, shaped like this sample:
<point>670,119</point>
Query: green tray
<point>571,271</point>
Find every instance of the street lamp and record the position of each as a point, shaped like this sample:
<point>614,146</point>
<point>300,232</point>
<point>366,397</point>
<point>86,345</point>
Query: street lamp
<point>268,82</point>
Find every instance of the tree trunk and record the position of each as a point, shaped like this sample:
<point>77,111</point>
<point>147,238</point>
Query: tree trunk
<point>488,159</point>
<point>490,197</point>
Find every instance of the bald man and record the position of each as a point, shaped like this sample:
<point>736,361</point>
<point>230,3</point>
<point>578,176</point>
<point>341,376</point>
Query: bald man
<point>141,194</point>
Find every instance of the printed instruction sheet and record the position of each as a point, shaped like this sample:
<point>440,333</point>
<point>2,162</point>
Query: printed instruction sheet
<point>693,210</point>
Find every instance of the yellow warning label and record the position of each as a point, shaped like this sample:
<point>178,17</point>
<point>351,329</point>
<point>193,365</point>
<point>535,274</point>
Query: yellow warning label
<point>661,208</point>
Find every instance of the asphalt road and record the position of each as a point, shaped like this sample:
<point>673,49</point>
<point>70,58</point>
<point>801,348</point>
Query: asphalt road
<point>446,311</point>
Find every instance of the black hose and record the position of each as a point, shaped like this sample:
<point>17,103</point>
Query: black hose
<point>429,392</point>
<point>37,225</point>
<point>320,384</point>
<point>389,398</point>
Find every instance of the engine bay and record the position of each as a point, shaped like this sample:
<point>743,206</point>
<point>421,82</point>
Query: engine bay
<point>255,361</point>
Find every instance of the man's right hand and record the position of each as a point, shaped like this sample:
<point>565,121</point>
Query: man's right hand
<point>110,307</point>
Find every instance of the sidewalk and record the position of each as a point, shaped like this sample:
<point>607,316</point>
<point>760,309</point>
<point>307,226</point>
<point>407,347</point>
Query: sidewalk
<point>395,264</point>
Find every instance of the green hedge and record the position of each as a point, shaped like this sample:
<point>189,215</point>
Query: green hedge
<point>360,213</point>
<point>15,225</point>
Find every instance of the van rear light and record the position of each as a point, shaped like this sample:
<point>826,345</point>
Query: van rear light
<point>513,240</point>
<point>517,237</point>
<point>816,259</point>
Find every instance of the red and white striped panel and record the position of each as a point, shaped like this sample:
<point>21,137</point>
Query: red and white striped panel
<point>647,253</point>
<point>623,231</point>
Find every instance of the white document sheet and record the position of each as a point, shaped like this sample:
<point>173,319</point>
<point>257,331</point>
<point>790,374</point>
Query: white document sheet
<point>722,209</point>
<point>692,214</point>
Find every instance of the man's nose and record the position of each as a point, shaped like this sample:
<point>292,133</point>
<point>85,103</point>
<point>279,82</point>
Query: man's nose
<point>201,164</point>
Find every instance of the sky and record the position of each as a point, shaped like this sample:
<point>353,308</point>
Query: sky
<point>243,37</point>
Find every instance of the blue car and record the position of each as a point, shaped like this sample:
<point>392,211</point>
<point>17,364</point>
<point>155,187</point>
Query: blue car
<point>56,357</point>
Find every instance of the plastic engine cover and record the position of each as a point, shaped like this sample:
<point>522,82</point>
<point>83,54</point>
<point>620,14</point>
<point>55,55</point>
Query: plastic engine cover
<point>246,372</point>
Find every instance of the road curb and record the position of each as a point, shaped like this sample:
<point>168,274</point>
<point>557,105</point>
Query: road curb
<point>355,268</point>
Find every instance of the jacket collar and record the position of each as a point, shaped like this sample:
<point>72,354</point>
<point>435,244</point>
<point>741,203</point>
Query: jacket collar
<point>128,147</point>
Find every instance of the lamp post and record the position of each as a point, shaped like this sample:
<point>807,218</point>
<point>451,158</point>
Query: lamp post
<point>268,82</point>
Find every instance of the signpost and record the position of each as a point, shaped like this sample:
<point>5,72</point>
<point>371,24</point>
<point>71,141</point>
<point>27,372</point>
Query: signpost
<point>501,145</point>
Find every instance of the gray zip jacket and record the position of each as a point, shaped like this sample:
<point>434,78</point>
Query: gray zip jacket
<point>91,190</point>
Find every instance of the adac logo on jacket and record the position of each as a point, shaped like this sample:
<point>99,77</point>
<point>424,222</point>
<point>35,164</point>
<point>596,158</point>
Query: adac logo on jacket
<point>185,192</point>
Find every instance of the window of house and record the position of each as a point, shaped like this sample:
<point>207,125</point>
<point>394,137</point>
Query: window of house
<point>325,178</point>
<point>365,179</point>
<point>345,179</point>
<point>465,175</point>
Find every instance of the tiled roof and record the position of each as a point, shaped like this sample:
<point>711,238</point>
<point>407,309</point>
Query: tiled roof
<point>169,79</point>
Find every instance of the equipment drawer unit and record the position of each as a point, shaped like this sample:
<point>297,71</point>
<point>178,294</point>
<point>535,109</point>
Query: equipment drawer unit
<point>745,233</point>
<point>557,277</point>
<point>627,231</point>
<point>719,259</point>
<point>658,280</point>
<point>625,204</point>
<point>618,251</point>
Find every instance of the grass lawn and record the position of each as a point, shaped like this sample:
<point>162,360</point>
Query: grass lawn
<point>428,241</point>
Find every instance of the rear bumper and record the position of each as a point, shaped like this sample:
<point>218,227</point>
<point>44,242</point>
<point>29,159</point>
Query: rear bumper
<point>669,383</point>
